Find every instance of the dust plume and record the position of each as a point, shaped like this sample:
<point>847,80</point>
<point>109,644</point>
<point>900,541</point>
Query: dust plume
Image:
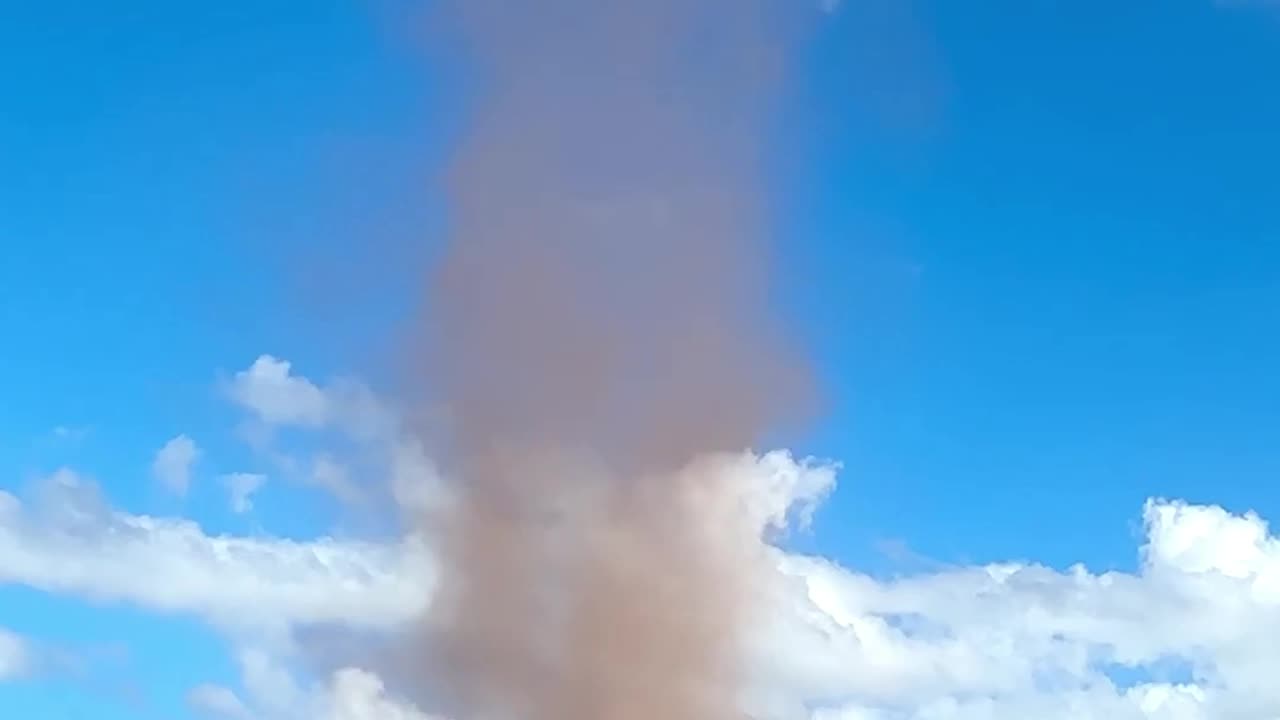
<point>601,328</point>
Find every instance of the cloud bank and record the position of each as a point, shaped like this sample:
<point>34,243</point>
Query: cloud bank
<point>1186,636</point>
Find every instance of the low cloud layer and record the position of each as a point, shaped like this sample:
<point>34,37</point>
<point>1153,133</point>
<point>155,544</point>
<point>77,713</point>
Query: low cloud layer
<point>1184,637</point>
<point>68,541</point>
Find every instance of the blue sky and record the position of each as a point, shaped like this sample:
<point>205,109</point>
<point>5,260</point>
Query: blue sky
<point>1028,244</point>
<point>1051,297</point>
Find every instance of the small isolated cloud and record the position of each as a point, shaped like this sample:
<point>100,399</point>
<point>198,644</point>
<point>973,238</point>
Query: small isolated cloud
<point>173,462</point>
<point>241,488</point>
<point>271,391</point>
<point>276,397</point>
<point>216,703</point>
<point>14,655</point>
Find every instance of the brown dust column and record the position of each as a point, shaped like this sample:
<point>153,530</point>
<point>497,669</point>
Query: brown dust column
<point>600,327</point>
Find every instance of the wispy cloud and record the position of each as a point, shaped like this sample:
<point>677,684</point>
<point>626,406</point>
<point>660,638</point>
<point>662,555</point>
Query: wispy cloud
<point>173,462</point>
<point>217,702</point>
<point>70,433</point>
<point>241,488</point>
<point>15,657</point>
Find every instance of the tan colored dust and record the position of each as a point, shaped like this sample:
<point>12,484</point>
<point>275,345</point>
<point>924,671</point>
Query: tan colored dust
<point>599,322</point>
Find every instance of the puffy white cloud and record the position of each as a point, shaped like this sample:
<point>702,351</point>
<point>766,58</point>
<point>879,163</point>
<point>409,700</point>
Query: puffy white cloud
<point>1189,630</point>
<point>1191,627</point>
<point>14,655</point>
<point>277,396</point>
<point>172,464</point>
<point>241,488</point>
<point>70,542</point>
<point>1186,636</point>
<point>355,694</point>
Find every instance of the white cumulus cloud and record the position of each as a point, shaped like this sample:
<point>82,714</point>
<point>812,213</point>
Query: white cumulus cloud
<point>355,694</point>
<point>278,397</point>
<point>271,390</point>
<point>70,542</point>
<point>1186,635</point>
<point>1180,638</point>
